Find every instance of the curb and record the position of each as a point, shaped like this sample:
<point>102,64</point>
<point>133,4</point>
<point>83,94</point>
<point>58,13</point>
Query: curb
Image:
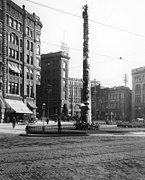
<point>54,135</point>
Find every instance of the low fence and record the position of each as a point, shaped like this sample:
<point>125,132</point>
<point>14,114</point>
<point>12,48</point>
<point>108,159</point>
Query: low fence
<point>45,129</point>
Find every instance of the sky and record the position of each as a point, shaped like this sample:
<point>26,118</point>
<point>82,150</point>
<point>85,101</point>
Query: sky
<point>116,35</point>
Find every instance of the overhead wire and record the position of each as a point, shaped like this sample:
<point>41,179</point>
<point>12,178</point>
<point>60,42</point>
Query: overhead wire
<point>94,21</point>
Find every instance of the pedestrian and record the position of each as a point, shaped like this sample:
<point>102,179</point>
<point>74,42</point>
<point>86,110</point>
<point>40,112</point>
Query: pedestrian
<point>47,120</point>
<point>59,126</point>
<point>14,121</point>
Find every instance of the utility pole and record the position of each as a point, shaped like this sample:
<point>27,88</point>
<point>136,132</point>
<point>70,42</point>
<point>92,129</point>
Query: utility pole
<point>125,79</point>
<point>86,110</point>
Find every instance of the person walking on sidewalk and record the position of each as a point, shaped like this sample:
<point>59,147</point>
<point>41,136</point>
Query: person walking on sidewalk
<point>59,126</point>
<point>14,121</point>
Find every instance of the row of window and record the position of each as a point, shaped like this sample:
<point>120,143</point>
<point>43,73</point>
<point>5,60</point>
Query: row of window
<point>29,73</point>
<point>114,96</point>
<point>138,99</point>
<point>75,100</point>
<point>15,70</point>
<point>114,105</point>
<point>29,46</point>
<point>13,88</point>
<point>29,59</point>
<point>75,91</point>
<point>13,39</point>
<point>29,32</point>
<point>18,26</point>
<point>30,91</point>
<point>139,78</point>
<point>138,87</point>
<point>14,23</point>
<point>12,53</point>
<point>76,83</point>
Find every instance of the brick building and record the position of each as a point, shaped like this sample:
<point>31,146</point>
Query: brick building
<point>20,59</point>
<point>54,84</point>
<point>112,103</point>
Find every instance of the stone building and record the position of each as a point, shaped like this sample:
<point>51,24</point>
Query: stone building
<point>75,96</point>
<point>54,84</point>
<point>138,93</point>
<point>20,60</point>
<point>112,103</point>
<point>119,103</point>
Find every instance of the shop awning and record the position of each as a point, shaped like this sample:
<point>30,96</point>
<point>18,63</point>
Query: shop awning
<point>14,68</point>
<point>18,106</point>
<point>32,105</point>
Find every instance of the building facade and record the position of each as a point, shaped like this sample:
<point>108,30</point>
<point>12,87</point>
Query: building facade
<point>111,103</point>
<point>75,96</point>
<point>138,93</point>
<point>54,85</point>
<point>20,60</point>
<point>119,103</point>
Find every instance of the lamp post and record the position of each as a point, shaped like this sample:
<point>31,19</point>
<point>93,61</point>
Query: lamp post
<point>43,109</point>
<point>49,87</point>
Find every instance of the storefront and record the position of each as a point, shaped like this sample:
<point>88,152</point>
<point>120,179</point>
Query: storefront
<point>16,108</point>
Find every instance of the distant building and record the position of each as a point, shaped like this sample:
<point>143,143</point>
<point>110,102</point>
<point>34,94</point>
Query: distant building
<point>20,68</point>
<point>111,103</point>
<point>75,95</point>
<point>119,103</point>
<point>54,84</point>
<point>138,93</point>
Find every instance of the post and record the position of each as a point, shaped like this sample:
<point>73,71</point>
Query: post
<point>49,88</point>
<point>43,108</point>
<point>86,111</point>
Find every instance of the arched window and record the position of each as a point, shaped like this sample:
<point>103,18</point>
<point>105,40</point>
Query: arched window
<point>27,44</point>
<point>13,39</point>
<point>31,48</point>
<point>138,88</point>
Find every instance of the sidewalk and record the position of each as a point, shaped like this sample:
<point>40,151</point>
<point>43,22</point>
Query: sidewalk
<point>20,128</point>
<point>104,130</point>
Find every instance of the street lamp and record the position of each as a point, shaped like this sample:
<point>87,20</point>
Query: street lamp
<point>49,87</point>
<point>43,108</point>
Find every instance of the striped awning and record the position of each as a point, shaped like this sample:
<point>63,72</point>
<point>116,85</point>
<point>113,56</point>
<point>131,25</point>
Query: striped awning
<point>18,106</point>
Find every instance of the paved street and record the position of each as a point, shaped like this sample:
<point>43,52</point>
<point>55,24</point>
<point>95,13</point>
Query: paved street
<point>109,157</point>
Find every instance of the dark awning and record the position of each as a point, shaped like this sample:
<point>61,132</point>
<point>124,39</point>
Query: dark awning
<point>18,106</point>
<point>32,105</point>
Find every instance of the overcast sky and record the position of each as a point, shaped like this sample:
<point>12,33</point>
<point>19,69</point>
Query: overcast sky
<point>116,35</point>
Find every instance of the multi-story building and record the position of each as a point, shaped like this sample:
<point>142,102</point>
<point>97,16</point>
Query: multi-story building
<point>54,86</point>
<point>75,96</point>
<point>112,103</point>
<point>20,60</point>
<point>138,93</point>
<point>119,103</point>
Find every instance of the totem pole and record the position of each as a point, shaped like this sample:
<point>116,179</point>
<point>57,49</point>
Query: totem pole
<point>86,109</point>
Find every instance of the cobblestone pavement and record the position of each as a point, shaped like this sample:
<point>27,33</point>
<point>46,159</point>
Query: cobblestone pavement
<point>71,158</point>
